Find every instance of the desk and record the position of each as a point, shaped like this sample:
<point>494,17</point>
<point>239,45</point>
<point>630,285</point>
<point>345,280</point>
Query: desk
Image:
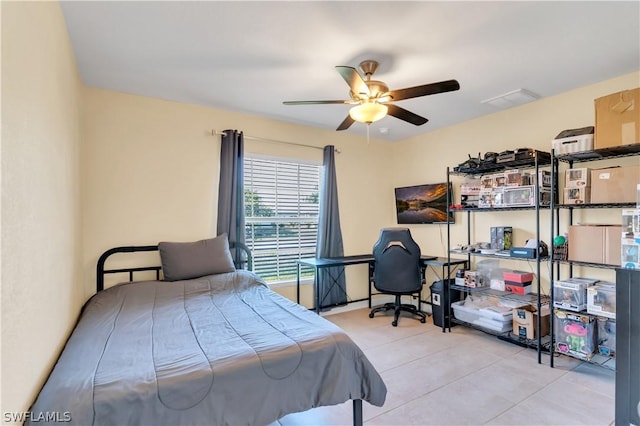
<point>328,262</point>
<point>444,264</point>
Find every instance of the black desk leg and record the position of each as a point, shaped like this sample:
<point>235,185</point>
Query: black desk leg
<point>298,285</point>
<point>316,291</point>
<point>371,268</point>
<point>357,412</point>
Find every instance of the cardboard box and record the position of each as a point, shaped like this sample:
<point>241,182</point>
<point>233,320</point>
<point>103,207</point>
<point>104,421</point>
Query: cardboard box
<point>618,119</point>
<point>517,289</point>
<point>474,279</point>
<point>497,284</point>
<point>470,188</point>
<point>517,284</point>
<point>525,321</point>
<point>574,178</point>
<point>518,276</point>
<point>544,179</point>
<point>595,244</point>
<point>470,193</point>
<point>501,237</point>
<point>513,177</point>
<point>601,299</point>
<point>580,195</point>
<point>615,184</point>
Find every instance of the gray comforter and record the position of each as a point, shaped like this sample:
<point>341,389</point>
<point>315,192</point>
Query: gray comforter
<point>222,349</point>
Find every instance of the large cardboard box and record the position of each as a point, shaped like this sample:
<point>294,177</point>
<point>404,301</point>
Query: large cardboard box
<point>615,184</point>
<point>595,244</point>
<point>618,119</point>
<point>525,321</point>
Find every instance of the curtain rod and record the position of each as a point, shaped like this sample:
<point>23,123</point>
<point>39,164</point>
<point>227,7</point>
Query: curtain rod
<point>215,132</point>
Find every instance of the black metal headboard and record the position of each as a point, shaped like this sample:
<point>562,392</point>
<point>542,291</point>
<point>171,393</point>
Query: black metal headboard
<point>243,260</point>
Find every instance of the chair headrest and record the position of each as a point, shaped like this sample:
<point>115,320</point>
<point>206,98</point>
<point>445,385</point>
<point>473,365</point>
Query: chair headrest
<point>395,244</point>
<point>395,237</point>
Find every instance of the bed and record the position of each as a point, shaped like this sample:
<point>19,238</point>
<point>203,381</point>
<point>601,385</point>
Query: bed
<point>200,348</point>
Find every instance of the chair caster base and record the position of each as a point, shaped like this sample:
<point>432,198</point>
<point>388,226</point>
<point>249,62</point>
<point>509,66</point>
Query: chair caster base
<point>397,308</point>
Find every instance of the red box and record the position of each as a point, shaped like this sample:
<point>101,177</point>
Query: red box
<point>518,277</point>
<point>517,284</point>
<point>516,289</point>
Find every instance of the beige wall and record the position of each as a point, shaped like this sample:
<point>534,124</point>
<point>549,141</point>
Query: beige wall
<point>150,173</point>
<point>41,289</point>
<point>424,159</point>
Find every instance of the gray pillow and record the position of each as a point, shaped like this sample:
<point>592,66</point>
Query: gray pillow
<point>182,261</point>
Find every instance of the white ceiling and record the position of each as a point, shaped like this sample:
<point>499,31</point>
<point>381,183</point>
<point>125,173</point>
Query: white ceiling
<point>251,56</point>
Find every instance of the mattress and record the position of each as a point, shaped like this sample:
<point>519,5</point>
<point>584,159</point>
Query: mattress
<point>221,349</point>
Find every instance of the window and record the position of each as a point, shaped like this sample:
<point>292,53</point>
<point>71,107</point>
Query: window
<point>281,215</point>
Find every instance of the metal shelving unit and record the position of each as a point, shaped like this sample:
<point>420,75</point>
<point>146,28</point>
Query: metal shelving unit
<point>570,159</point>
<point>508,336</point>
<point>525,299</point>
<point>540,159</point>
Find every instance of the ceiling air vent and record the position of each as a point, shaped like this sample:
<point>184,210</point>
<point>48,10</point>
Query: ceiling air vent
<point>511,99</point>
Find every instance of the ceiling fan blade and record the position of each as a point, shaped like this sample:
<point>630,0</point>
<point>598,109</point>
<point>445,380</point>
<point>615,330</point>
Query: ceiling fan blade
<point>354,80</point>
<point>405,115</point>
<point>424,90</point>
<point>316,102</point>
<point>346,123</point>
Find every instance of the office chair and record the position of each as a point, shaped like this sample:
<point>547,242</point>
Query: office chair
<point>397,271</point>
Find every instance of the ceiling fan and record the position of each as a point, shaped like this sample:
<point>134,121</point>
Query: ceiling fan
<point>372,99</point>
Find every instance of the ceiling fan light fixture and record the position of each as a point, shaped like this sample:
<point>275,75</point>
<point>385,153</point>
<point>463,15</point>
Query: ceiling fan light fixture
<point>368,112</point>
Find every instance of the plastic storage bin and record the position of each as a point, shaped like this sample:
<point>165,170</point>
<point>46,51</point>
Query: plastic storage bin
<point>571,294</point>
<point>488,318</point>
<point>601,299</point>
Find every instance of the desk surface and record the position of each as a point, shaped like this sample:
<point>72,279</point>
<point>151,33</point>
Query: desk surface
<point>353,260</point>
<point>336,261</point>
<point>443,261</point>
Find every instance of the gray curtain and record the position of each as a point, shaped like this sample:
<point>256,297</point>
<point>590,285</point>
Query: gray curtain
<point>231,188</point>
<point>331,282</point>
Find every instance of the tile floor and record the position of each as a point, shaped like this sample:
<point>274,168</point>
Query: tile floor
<point>466,377</point>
